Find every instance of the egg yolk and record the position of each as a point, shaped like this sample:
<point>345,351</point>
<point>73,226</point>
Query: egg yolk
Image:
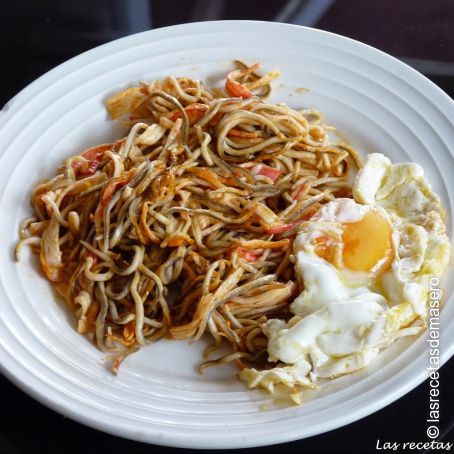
<point>368,243</point>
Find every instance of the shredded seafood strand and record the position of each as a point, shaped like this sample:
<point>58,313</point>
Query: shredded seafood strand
<point>184,227</point>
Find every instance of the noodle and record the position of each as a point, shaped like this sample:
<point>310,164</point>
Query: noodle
<point>185,226</point>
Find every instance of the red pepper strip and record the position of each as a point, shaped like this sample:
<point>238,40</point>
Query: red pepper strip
<point>195,112</point>
<point>118,144</point>
<point>94,156</point>
<point>242,134</point>
<point>237,90</point>
<point>263,169</point>
<point>110,189</point>
<point>275,230</point>
<point>250,256</point>
<point>270,172</point>
<point>301,191</point>
<point>234,88</point>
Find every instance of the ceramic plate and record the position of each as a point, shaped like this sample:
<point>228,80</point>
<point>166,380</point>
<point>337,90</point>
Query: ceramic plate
<point>380,104</point>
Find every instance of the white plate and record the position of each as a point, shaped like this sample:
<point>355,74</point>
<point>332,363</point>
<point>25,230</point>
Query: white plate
<point>378,102</point>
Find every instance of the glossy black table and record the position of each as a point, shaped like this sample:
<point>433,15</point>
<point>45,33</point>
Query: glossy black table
<point>36,36</point>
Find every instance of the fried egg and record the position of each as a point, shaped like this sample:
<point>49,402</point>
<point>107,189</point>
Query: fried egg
<point>364,266</point>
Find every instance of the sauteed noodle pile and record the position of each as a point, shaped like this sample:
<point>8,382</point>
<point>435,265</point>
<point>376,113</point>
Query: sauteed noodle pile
<point>185,226</point>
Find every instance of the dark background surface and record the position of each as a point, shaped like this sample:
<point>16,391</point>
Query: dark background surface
<point>38,35</point>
